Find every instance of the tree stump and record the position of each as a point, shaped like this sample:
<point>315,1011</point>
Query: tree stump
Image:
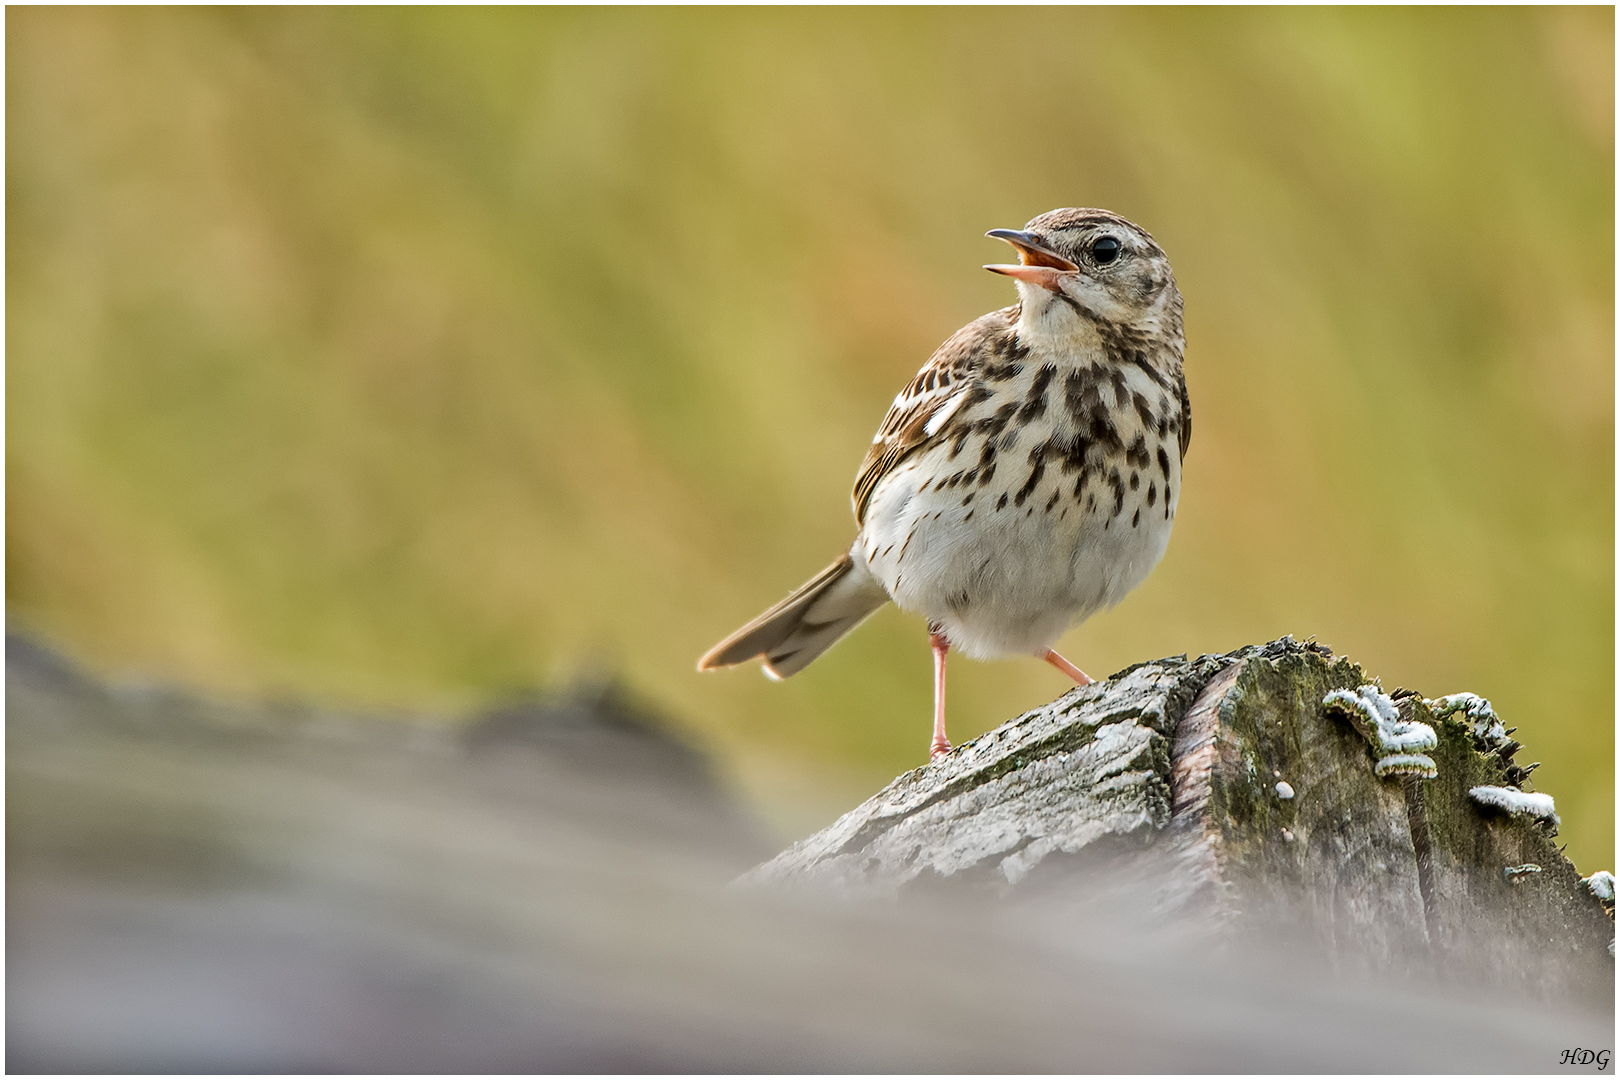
<point>1247,797</point>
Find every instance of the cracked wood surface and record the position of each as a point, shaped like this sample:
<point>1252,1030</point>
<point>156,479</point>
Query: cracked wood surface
<point>1092,764</point>
<point>1164,779</point>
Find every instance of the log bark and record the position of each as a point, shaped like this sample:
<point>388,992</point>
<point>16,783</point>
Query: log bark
<point>1224,790</point>
<point>204,887</point>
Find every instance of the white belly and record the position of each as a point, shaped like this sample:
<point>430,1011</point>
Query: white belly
<point>1008,579</point>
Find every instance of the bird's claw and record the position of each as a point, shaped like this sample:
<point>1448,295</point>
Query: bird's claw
<point>939,748</point>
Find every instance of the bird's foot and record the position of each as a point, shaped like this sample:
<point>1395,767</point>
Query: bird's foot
<point>939,748</point>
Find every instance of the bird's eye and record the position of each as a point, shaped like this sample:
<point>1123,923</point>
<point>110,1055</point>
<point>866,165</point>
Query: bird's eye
<point>1105,250</point>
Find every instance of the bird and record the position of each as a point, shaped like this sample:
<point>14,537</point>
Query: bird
<point>1026,478</point>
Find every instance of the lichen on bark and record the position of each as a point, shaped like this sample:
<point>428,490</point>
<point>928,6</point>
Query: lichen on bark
<point>1176,770</point>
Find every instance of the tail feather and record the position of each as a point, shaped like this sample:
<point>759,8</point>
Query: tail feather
<point>806,624</point>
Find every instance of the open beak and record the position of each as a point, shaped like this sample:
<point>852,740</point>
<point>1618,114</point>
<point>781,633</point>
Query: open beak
<point>1039,264</point>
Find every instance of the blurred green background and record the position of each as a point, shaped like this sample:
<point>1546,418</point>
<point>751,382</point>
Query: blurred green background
<point>406,359</point>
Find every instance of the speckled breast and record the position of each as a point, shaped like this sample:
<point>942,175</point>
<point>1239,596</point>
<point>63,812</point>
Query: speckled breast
<point>1047,500</point>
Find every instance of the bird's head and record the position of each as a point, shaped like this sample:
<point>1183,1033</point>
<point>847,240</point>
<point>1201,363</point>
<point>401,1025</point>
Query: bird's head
<point>1094,262</point>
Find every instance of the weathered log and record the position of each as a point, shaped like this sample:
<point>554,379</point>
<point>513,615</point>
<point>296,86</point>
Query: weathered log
<point>201,887</point>
<point>1247,797</point>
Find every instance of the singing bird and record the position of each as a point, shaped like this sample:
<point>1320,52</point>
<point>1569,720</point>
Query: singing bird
<point>1027,478</point>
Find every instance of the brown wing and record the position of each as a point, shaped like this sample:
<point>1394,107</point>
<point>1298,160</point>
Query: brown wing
<point>1186,418</point>
<point>905,430</point>
<point>921,414</point>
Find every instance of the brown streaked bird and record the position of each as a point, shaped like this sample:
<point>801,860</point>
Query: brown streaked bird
<point>1027,478</point>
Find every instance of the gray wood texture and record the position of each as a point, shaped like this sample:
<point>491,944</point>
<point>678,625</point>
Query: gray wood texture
<point>205,887</point>
<point>1165,780</point>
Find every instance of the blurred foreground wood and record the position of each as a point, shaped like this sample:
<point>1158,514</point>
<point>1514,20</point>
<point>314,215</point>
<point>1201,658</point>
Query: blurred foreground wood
<point>203,887</point>
<point>1227,791</point>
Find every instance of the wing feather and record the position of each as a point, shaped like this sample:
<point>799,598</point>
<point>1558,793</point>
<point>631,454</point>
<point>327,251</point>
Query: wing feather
<point>909,426</point>
<point>921,414</point>
<point>1186,418</point>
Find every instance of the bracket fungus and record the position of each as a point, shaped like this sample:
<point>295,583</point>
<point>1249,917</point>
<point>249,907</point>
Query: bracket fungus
<point>1602,885</point>
<point>1401,742</point>
<point>1534,804</point>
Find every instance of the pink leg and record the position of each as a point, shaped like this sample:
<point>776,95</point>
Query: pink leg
<point>1080,678</point>
<point>937,642</point>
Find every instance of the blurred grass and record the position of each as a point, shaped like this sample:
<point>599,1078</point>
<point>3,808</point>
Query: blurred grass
<point>410,357</point>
